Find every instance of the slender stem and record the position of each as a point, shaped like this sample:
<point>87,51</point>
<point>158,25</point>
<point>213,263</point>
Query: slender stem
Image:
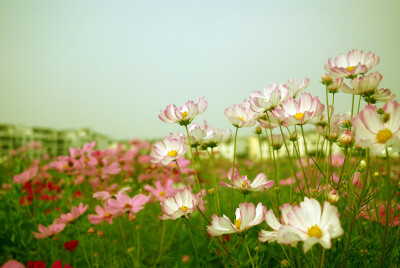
<point>180,173</point>
<point>191,238</point>
<point>215,184</point>
<point>352,106</point>
<point>276,173</point>
<point>305,147</point>
<point>328,172</point>
<point>83,247</point>
<point>359,103</point>
<point>261,154</point>
<point>387,209</point>
<point>161,244</point>
<point>248,252</point>
<point>233,169</point>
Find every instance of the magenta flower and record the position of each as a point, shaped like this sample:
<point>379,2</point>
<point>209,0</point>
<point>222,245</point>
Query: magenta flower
<point>247,216</point>
<point>74,214</point>
<point>168,150</point>
<point>26,176</point>
<point>350,65</point>
<point>45,232</point>
<point>370,131</point>
<point>123,203</point>
<point>185,114</point>
<point>103,214</point>
<point>162,191</point>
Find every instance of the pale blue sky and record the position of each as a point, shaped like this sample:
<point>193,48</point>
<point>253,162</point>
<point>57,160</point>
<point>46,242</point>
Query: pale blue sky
<point>112,65</point>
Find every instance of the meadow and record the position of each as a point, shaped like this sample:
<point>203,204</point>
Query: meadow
<point>178,203</point>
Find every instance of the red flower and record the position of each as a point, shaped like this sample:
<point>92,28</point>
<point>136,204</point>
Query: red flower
<point>71,245</point>
<point>36,264</point>
<point>58,264</point>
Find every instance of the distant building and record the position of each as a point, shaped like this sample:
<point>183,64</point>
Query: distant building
<point>54,142</point>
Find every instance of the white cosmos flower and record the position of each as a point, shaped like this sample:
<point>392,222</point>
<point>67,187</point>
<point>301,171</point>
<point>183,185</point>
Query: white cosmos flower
<point>247,215</point>
<point>274,224</point>
<point>168,150</point>
<point>182,204</point>
<point>308,224</point>
<point>259,184</point>
<point>364,85</point>
<point>296,85</point>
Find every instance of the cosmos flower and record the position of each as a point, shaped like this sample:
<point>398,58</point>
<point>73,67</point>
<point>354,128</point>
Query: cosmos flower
<point>335,85</point>
<point>274,224</point>
<point>214,136</point>
<point>26,176</point>
<point>296,85</point>
<point>182,204</point>
<point>123,203</point>
<point>185,114</point>
<point>241,115</point>
<point>103,214</point>
<point>45,232</point>
<point>381,95</point>
<point>299,113</point>
<point>269,98</point>
<point>364,85</point>
<point>370,131</point>
<point>71,245</point>
<point>247,215</point>
<point>168,150</point>
<point>308,224</point>
<point>197,134</point>
<point>162,191</point>
<point>73,215</point>
<point>259,184</point>
<point>350,65</point>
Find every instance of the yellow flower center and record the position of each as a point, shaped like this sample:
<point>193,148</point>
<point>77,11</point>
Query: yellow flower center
<point>70,218</point>
<point>240,118</point>
<point>161,193</point>
<point>184,208</point>
<point>383,135</point>
<point>127,205</point>
<point>243,184</point>
<point>64,167</point>
<point>299,116</point>
<point>237,223</point>
<point>314,231</point>
<point>172,153</point>
<point>350,68</point>
<point>107,215</point>
<point>184,114</point>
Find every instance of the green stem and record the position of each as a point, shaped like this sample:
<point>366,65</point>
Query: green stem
<point>387,209</point>
<point>248,252</point>
<point>83,247</point>
<point>180,173</point>
<point>233,169</point>
<point>261,154</point>
<point>191,238</point>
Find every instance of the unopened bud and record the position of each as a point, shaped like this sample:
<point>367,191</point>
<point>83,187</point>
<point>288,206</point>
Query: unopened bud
<point>361,166</point>
<point>100,233</point>
<point>277,188</point>
<point>346,139</point>
<point>381,111</point>
<point>211,191</point>
<point>347,124</point>
<point>386,118</point>
<point>95,254</point>
<point>326,79</point>
<point>333,197</point>
<point>376,174</point>
<point>293,136</point>
<point>258,130</point>
<point>91,230</point>
<point>284,262</point>
<point>132,217</point>
<point>333,136</point>
<point>185,258</point>
<point>55,238</point>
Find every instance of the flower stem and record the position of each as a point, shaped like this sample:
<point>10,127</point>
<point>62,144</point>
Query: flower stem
<point>387,209</point>
<point>191,238</point>
<point>83,247</point>
<point>233,169</point>
<point>248,252</point>
<point>180,173</point>
<point>261,154</point>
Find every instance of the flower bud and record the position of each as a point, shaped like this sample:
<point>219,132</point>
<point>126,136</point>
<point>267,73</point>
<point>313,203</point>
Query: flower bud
<point>333,136</point>
<point>361,166</point>
<point>293,136</point>
<point>100,233</point>
<point>333,197</point>
<point>258,130</point>
<point>381,111</point>
<point>284,262</point>
<point>211,191</point>
<point>132,217</point>
<point>385,118</point>
<point>185,258</point>
<point>326,79</point>
<point>347,124</point>
<point>346,139</point>
<point>376,174</point>
<point>91,230</point>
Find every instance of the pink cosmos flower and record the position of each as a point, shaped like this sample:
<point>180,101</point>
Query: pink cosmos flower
<point>350,65</point>
<point>308,224</point>
<point>382,95</point>
<point>273,120</point>
<point>123,203</point>
<point>241,115</point>
<point>335,85</point>
<point>259,184</point>
<point>45,232</point>
<point>185,114</point>
<point>103,214</point>
<point>197,134</point>
<point>182,204</point>
<point>162,191</point>
<point>276,141</point>
<point>295,86</point>
<point>299,113</point>
<point>247,216</point>
<point>168,150</point>
<point>26,176</point>
<point>364,85</point>
<point>271,97</point>
<point>214,136</point>
<point>378,135</point>
<point>73,215</point>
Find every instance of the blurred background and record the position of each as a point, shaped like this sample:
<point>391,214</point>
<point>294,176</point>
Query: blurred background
<point>111,66</point>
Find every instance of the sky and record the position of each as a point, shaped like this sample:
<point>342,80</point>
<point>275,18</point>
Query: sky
<point>111,66</point>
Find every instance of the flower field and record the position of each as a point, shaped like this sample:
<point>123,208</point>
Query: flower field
<point>178,203</point>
